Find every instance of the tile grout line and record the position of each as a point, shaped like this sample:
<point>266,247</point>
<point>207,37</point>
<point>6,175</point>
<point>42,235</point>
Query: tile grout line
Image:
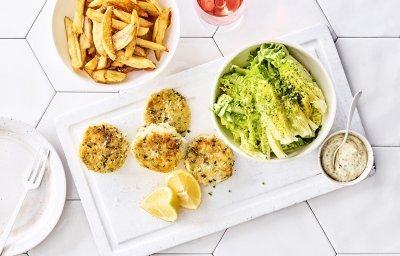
<point>44,112</point>
<point>116,92</point>
<point>384,146</point>
<point>327,19</point>
<point>218,47</point>
<point>33,23</point>
<point>194,37</point>
<point>72,200</point>
<point>215,32</point>
<point>326,235</point>
<point>219,241</point>
<point>40,64</point>
<point>368,37</point>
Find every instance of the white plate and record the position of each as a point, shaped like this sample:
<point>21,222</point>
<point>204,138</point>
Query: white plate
<point>42,207</point>
<point>111,201</point>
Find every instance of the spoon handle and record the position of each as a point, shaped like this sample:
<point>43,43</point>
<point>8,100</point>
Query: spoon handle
<point>351,113</point>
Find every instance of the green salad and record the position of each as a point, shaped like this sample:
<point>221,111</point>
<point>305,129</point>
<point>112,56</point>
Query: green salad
<point>272,106</point>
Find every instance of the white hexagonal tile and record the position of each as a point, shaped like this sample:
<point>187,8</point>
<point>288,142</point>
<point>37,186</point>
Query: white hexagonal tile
<point>17,17</point>
<point>363,18</point>
<point>365,218</point>
<point>191,25</point>
<point>372,65</point>
<point>70,237</point>
<point>26,91</point>
<point>202,245</point>
<point>291,231</point>
<point>62,103</point>
<point>268,19</point>
<point>192,52</point>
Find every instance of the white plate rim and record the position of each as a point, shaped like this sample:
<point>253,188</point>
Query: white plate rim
<point>17,126</point>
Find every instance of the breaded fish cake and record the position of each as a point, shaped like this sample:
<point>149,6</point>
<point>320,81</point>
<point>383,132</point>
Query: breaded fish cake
<point>168,106</point>
<point>103,148</point>
<point>158,147</point>
<point>209,159</point>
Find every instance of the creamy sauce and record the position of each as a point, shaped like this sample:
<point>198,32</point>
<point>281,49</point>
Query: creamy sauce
<point>351,159</point>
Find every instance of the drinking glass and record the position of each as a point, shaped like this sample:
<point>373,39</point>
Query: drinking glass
<point>220,12</point>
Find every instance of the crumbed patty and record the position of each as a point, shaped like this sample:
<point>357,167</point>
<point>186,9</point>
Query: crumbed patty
<point>158,147</point>
<point>209,159</point>
<point>168,106</point>
<point>103,148</point>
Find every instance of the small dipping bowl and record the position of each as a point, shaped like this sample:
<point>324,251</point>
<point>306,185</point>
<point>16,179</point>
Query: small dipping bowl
<point>368,167</point>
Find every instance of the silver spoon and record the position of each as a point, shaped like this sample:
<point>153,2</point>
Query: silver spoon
<point>349,118</point>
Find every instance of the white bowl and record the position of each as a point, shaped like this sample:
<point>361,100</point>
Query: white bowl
<point>317,71</point>
<point>64,8</point>
<point>367,169</point>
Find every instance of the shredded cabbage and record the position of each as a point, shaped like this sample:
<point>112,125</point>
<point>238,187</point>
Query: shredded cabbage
<point>272,106</point>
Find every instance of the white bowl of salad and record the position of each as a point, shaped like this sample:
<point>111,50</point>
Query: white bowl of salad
<point>273,101</point>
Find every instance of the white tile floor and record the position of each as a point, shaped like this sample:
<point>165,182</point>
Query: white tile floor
<point>360,219</point>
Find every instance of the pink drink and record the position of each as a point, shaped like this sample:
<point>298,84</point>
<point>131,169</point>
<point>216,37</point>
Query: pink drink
<point>219,12</point>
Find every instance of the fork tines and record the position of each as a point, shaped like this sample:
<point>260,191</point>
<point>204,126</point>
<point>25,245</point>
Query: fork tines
<point>35,174</point>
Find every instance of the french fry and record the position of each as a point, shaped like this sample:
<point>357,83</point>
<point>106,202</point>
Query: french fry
<point>145,23</point>
<point>104,62</point>
<point>96,3</point>
<point>98,44</point>
<point>140,11</point>
<point>91,51</point>
<point>151,45</point>
<point>126,5</point>
<point>150,8</point>
<point>156,5</point>
<point>143,31</point>
<point>88,71</point>
<point>106,33</point>
<point>117,64</point>
<point>87,30</point>
<point>78,16</point>
<point>84,44</point>
<point>73,45</point>
<point>135,61</point>
<point>126,69</point>
<point>123,37</point>
<point>122,15</point>
<point>92,64</point>
<point>160,26</point>
<point>139,51</point>
<point>97,16</point>
<point>130,48</point>
<point>108,76</point>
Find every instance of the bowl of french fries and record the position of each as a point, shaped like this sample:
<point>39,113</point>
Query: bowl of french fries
<point>122,43</point>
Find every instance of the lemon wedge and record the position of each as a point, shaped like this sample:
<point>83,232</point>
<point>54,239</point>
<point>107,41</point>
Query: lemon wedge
<point>162,203</point>
<point>186,187</point>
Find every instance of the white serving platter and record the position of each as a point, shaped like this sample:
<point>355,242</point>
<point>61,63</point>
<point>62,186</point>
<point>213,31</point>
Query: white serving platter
<point>111,201</point>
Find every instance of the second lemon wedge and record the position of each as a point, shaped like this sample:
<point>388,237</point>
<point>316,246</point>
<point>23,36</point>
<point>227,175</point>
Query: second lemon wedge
<point>162,203</point>
<point>186,187</point>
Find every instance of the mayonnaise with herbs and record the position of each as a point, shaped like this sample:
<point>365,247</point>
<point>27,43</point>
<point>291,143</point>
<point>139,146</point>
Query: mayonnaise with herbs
<point>351,159</point>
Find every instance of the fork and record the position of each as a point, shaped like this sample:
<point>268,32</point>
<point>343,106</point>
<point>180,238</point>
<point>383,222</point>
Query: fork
<point>31,180</point>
